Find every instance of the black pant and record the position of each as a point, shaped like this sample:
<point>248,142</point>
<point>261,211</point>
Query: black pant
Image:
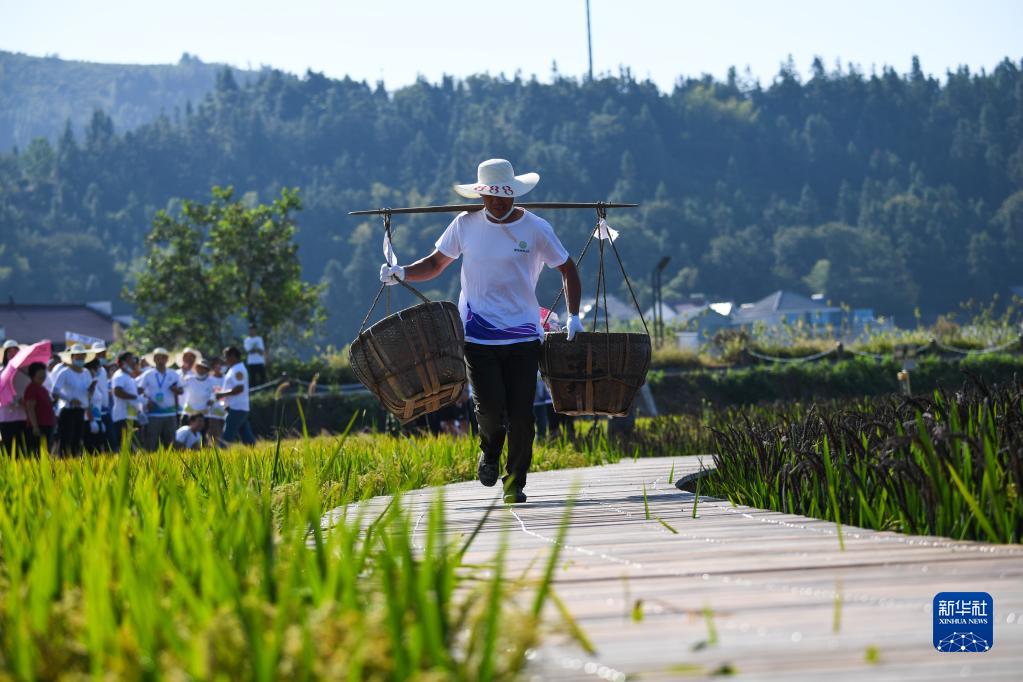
<point>120,430</point>
<point>12,437</point>
<point>503,380</point>
<point>34,443</point>
<point>70,431</point>
<point>257,374</point>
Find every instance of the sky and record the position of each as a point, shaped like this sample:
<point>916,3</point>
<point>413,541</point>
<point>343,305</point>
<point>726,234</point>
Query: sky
<point>396,41</point>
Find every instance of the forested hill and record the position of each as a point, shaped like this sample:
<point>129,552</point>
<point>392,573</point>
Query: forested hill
<point>887,190</point>
<point>39,95</point>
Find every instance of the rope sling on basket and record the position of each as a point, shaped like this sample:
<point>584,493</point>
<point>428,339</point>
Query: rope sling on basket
<point>597,373</point>
<point>413,361</point>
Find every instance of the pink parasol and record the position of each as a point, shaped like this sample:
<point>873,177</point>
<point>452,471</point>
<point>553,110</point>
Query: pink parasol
<point>37,352</point>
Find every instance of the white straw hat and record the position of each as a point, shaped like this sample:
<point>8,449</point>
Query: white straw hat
<point>156,351</point>
<point>77,349</point>
<point>179,360</point>
<point>497,178</point>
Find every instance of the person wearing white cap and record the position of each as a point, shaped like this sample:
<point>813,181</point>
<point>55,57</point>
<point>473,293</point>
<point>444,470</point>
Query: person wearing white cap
<point>12,414</point>
<point>72,388</point>
<point>10,349</point>
<point>503,250</point>
<point>161,387</point>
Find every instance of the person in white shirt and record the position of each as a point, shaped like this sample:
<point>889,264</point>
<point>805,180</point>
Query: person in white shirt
<point>161,387</point>
<point>102,393</point>
<point>198,385</point>
<point>186,361</point>
<point>72,388</point>
<point>217,413</point>
<point>189,436</point>
<point>95,434</point>
<point>55,367</point>
<point>125,394</point>
<point>504,249</point>
<point>255,360</point>
<point>235,395</point>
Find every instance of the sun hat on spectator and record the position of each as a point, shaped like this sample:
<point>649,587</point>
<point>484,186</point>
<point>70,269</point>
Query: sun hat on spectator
<point>77,349</point>
<point>159,350</point>
<point>179,360</point>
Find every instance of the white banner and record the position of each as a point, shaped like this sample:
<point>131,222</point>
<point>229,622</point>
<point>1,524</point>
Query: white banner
<point>84,339</point>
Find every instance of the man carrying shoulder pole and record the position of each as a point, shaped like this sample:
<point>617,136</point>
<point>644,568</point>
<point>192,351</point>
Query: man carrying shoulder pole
<point>504,249</point>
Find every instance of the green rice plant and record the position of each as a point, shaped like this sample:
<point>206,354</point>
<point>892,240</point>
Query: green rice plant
<point>218,564</point>
<point>950,464</point>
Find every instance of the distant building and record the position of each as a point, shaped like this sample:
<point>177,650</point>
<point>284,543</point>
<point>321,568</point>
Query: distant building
<point>788,308</point>
<point>60,322</point>
<point>703,319</point>
<point>618,310</point>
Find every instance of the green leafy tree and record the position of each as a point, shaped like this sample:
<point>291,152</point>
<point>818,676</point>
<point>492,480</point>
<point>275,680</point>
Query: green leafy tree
<point>217,263</point>
<point>174,296</point>
<point>256,264</point>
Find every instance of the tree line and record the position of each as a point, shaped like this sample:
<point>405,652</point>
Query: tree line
<point>896,191</point>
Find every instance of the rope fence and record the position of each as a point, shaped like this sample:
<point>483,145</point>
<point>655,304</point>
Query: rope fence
<point>317,388</point>
<point>303,387</point>
<point>929,347</point>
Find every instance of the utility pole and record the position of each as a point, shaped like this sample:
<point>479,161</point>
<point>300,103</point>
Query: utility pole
<point>655,284</point>
<point>589,39</point>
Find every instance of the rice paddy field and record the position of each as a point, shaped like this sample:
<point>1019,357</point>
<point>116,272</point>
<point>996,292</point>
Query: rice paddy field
<point>215,565</point>
<point>948,464</point>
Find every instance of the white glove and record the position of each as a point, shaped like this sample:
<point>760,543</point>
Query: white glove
<point>390,274</point>
<point>573,325</point>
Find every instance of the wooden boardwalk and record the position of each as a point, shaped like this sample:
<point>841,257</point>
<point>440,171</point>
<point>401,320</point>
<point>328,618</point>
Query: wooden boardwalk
<point>784,602</point>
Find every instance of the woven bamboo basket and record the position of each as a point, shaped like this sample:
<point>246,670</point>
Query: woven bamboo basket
<point>595,373</point>
<point>413,360</point>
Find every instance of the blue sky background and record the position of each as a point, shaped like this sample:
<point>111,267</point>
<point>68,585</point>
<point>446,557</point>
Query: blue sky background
<point>398,40</point>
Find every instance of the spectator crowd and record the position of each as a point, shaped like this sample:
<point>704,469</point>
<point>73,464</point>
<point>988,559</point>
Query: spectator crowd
<point>86,401</point>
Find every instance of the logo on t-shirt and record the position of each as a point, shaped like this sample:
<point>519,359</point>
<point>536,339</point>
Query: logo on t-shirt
<point>522,248</point>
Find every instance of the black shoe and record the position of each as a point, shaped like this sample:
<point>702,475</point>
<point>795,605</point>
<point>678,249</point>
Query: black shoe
<point>487,471</point>
<point>515,496</point>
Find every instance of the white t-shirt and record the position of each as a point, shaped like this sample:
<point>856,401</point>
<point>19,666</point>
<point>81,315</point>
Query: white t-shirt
<point>254,343</point>
<point>500,268</point>
<point>51,376</point>
<point>160,400</point>
<point>237,376</point>
<point>101,394</point>
<point>71,385</point>
<point>187,437</point>
<point>141,407</point>
<point>123,409</point>
<point>217,410</point>
<point>198,393</point>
